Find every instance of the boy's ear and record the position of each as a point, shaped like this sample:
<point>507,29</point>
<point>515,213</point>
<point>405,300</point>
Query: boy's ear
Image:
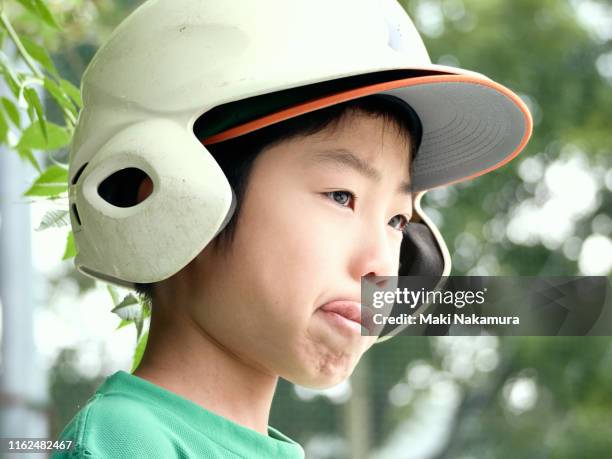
<point>145,189</point>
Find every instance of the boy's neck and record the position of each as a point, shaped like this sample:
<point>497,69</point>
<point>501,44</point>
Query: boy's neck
<point>182,358</point>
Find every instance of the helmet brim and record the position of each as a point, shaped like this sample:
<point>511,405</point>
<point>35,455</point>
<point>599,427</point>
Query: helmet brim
<point>471,124</point>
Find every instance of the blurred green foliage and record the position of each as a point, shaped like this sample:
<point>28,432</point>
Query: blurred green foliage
<point>543,52</point>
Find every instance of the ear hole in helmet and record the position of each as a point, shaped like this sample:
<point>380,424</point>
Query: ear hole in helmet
<point>121,189</point>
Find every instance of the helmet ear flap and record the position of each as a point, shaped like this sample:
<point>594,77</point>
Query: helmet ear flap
<point>144,213</point>
<point>420,254</point>
<point>423,253</point>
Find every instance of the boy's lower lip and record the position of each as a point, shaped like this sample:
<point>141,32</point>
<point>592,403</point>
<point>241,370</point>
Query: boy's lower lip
<point>355,315</point>
<point>340,322</point>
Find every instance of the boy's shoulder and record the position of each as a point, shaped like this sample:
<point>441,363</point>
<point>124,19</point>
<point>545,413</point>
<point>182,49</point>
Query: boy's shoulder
<point>116,425</point>
<point>129,417</point>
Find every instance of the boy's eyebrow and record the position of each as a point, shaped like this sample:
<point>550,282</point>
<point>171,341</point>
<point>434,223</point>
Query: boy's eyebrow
<point>346,158</point>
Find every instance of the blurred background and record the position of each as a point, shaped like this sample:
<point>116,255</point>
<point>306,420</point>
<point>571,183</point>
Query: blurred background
<point>548,212</point>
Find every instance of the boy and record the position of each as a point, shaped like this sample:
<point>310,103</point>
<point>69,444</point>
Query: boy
<point>246,169</point>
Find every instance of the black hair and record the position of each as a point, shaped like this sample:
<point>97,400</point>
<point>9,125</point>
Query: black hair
<point>237,156</point>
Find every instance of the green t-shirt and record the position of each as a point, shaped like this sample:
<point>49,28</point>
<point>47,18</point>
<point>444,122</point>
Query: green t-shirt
<point>130,417</point>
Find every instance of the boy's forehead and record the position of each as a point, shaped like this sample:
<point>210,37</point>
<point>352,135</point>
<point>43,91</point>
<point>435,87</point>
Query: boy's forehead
<point>368,145</point>
<point>345,159</point>
<point>356,124</point>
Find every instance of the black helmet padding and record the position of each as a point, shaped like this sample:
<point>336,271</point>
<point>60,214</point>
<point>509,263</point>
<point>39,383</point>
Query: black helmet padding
<point>420,254</point>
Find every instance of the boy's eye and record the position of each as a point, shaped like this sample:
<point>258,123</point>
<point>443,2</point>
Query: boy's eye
<point>343,198</point>
<point>399,222</point>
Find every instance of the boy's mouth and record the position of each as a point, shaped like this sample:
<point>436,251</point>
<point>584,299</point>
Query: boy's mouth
<point>350,310</point>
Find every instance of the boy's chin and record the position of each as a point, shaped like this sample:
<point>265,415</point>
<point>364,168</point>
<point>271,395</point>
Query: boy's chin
<point>321,381</point>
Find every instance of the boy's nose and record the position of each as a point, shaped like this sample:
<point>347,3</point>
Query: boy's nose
<point>375,254</point>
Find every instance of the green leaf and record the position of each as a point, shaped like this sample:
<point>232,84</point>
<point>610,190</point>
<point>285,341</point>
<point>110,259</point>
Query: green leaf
<point>59,95</point>
<point>27,154</point>
<point>132,310</point>
<point>29,5</point>
<point>32,137</point>
<point>146,307</point>
<point>139,321</point>
<point>70,250</point>
<point>39,8</point>
<point>11,82</point>
<point>72,91</point>
<point>54,219</point>
<point>128,300</point>
<point>46,14</point>
<point>9,76</point>
<point>31,96</point>
<point>51,182</point>
<point>12,111</point>
<point>124,323</point>
<point>39,54</point>
<point>112,290</point>
<point>4,129</point>
<point>140,348</point>
<point>129,308</point>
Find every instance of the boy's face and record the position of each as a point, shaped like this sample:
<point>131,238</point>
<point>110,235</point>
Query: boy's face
<point>298,246</point>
